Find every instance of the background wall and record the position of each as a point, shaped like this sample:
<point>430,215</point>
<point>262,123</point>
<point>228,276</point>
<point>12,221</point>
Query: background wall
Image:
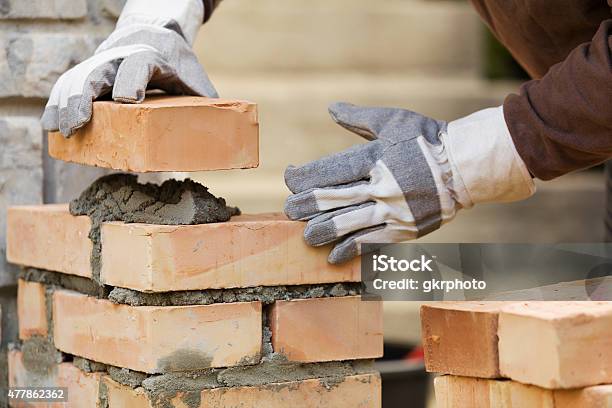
<point>293,58</point>
<point>39,40</point>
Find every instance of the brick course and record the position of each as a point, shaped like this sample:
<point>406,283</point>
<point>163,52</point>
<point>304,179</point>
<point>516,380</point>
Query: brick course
<point>168,257</point>
<point>155,339</point>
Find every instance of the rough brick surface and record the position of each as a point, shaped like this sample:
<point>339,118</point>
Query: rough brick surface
<point>250,250</point>
<point>571,349</point>
<point>55,9</point>
<point>83,388</point>
<point>359,391</point>
<point>21,175</point>
<point>182,133</point>
<point>33,62</point>
<point>157,339</point>
<point>48,237</point>
<point>327,329</point>
<point>599,396</point>
<point>465,392</point>
<point>461,338</point>
<point>31,309</point>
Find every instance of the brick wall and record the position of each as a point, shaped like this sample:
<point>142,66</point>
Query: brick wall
<point>39,40</point>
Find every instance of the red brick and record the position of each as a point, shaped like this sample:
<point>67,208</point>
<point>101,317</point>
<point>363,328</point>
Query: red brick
<point>183,133</point>
<point>359,391</point>
<point>31,309</point>
<point>327,329</point>
<point>249,250</point>
<point>48,237</point>
<point>83,388</point>
<point>157,339</point>
<point>460,338</point>
<point>466,392</point>
<point>556,344</point>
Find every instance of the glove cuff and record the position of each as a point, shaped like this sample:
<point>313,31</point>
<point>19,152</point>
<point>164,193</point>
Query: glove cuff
<point>484,158</point>
<point>185,16</point>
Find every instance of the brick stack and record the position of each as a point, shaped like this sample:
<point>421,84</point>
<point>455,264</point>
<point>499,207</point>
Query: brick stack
<point>241,313</point>
<point>520,354</point>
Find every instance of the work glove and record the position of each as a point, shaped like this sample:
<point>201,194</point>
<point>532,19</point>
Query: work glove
<point>411,177</point>
<point>150,48</point>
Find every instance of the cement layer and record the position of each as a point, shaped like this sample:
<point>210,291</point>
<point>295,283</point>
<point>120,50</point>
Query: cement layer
<point>264,294</point>
<point>119,197</point>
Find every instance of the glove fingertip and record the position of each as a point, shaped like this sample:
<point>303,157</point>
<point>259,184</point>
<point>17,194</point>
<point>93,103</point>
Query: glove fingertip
<point>291,181</point>
<point>320,233</point>
<point>49,120</point>
<point>290,210</point>
<point>343,252</point>
<point>335,109</point>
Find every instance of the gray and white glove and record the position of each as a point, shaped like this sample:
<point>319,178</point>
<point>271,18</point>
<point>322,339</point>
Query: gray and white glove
<point>408,180</point>
<point>150,48</point>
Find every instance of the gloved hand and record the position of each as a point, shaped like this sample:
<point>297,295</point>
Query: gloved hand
<point>412,176</point>
<point>150,47</point>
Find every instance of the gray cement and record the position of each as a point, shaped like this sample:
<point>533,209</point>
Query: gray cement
<point>71,282</point>
<point>119,197</point>
<point>264,294</point>
<point>40,357</point>
<point>126,376</point>
<point>89,366</point>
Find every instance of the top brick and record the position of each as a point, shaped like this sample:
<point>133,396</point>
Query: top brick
<point>165,133</point>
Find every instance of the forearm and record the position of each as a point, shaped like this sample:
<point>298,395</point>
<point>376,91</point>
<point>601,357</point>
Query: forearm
<point>563,122</point>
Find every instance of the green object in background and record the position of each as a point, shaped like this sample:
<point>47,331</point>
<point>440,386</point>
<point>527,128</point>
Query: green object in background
<point>498,62</point>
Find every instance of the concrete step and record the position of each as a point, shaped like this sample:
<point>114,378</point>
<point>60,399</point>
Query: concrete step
<point>296,128</point>
<point>295,36</point>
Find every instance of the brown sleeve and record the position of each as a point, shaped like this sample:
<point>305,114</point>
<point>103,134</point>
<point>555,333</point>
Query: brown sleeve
<point>541,33</point>
<point>563,121</point>
<point>209,7</point>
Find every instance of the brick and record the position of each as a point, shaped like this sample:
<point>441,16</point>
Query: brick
<point>571,349</point>
<point>249,250</point>
<point>21,175</point>
<point>165,133</point>
<point>55,9</point>
<point>599,396</point>
<point>119,395</point>
<point>466,392</point>
<point>327,329</point>
<point>48,237</point>
<point>30,64</point>
<point>83,388</point>
<point>31,309</point>
<point>359,391</point>
<point>460,338</point>
<point>157,339</point>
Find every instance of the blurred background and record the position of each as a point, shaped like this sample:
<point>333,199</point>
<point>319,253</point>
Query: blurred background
<point>293,58</point>
<point>436,57</point>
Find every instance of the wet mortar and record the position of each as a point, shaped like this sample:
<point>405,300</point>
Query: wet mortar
<point>120,197</point>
